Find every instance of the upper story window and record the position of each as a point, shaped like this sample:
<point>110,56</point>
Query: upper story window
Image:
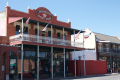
<point>119,48</point>
<point>58,35</point>
<point>49,33</point>
<point>49,36</point>
<point>25,30</point>
<point>36,32</point>
<point>107,47</point>
<point>17,29</point>
<point>100,47</point>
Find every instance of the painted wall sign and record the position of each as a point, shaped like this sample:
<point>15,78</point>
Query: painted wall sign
<point>44,15</point>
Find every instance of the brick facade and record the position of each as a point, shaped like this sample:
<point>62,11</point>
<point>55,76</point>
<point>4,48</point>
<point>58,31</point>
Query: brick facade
<point>11,30</point>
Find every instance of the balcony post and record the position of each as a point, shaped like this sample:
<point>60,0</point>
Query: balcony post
<point>22,30</point>
<point>109,48</point>
<point>63,36</point>
<point>74,38</point>
<point>51,34</point>
<point>38,32</point>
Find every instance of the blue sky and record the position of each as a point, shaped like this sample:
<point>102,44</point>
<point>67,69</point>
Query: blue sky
<point>101,16</point>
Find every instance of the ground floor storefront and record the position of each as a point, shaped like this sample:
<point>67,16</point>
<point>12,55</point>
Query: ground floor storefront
<point>113,63</point>
<point>30,62</point>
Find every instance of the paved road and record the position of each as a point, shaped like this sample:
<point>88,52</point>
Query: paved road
<point>97,77</point>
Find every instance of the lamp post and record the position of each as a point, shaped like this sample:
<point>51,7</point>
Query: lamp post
<point>79,57</point>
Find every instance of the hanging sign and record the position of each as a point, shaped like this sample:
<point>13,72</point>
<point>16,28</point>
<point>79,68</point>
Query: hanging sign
<point>44,15</point>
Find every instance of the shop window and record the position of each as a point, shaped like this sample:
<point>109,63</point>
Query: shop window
<point>12,54</point>
<point>58,55</point>
<point>67,55</point>
<point>43,54</point>
<point>13,66</point>
<point>29,53</point>
<point>17,29</point>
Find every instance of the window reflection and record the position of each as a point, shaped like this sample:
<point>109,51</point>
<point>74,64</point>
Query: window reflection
<point>12,53</point>
<point>44,54</point>
<point>67,55</point>
<point>58,55</point>
<point>29,53</point>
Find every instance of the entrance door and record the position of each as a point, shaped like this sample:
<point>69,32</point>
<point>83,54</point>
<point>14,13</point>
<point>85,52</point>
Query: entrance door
<point>44,67</point>
<point>13,68</point>
<point>58,68</point>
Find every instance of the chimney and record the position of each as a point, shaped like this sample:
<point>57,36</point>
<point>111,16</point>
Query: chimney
<point>116,37</point>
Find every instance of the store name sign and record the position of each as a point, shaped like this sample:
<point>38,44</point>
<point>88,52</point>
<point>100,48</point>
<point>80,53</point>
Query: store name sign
<point>44,15</point>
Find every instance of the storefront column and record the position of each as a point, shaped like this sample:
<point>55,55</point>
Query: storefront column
<point>75,62</point>
<point>74,53</point>
<point>84,56</point>
<point>110,64</point>
<point>37,62</point>
<point>17,65</point>
<point>116,63</point>
<point>110,58</point>
<point>21,61</point>
<point>64,62</point>
<point>38,51</point>
<point>52,61</point>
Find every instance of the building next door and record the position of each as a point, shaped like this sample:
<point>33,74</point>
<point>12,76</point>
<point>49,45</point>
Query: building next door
<point>58,68</point>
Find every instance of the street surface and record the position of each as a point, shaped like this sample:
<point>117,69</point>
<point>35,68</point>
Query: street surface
<point>98,77</point>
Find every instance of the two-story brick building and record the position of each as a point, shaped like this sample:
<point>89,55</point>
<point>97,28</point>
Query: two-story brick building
<point>105,47</point>
<point>41,53</point>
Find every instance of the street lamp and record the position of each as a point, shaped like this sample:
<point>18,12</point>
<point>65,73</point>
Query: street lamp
<point>79,57</point>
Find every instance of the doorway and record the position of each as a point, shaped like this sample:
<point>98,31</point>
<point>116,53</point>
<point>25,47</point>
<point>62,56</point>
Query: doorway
<point>58,68</point>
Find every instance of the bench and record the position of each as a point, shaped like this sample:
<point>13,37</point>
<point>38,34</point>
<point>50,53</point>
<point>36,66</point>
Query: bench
<point>26,75</point>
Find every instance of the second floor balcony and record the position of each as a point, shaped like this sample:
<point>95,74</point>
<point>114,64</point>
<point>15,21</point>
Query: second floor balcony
<point>44,40</point>
<point>108,50</point>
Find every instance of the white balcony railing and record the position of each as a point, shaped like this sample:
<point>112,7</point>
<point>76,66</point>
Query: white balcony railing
<point>46,40</point>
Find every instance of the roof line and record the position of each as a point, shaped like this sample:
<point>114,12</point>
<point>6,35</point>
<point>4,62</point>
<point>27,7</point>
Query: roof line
<point>104,34</point>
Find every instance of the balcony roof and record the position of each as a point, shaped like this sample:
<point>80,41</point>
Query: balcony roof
<point>13,19</point>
